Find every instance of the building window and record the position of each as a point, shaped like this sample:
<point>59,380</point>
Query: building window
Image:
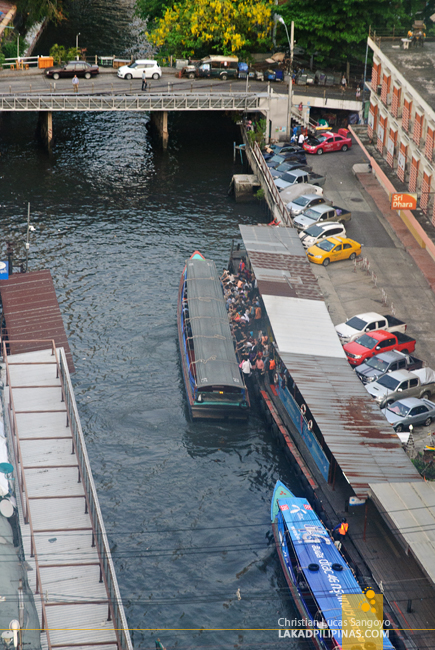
<point>413,175</point>
<point>376,75</point>
<point>386,81</point>
<point>418,128</point>
<point>428,148</point>
<point>371,122</point>
<point>395,102</point>
<point>381,135</point>
<point>401,162</point>
<point>425,192</point>
<point>391,146</point>
<point>406,115</point>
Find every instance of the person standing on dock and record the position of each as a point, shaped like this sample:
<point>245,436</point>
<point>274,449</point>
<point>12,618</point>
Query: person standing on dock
<point>75,83</point>
<point>341,529</point>
<point>144,80</point>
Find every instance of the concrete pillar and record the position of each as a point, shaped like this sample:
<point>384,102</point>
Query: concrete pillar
<point>45,129</point>
<point>160,121</point>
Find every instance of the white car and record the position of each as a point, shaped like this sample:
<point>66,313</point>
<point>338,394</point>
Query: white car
<point>317,232</point>
<point>134,70</point>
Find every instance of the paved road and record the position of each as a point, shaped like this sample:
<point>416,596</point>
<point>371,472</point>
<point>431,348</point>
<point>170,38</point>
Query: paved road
<point>108,81</point>
<point>349,290</point>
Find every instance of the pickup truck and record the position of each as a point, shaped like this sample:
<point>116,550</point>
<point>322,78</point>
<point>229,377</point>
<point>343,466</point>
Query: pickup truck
<point>368,322</point>
<point>299,176</point>
<point>320,214</point>
<point>369,345</point>
<point>378,366</point>
<point>402,383</point>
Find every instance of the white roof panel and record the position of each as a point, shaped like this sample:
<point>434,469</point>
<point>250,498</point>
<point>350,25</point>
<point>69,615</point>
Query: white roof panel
<point>303,327</point>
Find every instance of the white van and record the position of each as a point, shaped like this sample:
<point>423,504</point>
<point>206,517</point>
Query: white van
<point>134,70</point>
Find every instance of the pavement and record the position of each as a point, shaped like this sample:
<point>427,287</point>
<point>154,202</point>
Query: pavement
<point>392,276</point>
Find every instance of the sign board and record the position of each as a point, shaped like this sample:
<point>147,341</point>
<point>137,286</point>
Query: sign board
<point>354,501</point>
<point>390,146</point>
<point>4,270</point>
<point>371,120</point>
<point>403,201</point>
<point>381,132</point>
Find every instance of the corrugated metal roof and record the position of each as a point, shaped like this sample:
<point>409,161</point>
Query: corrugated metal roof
<point>303,326</point>
<point>410,509</point>
<point>31,311</point>
<point>363,443</point>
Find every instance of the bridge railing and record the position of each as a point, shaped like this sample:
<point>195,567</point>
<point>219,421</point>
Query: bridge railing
<point>22,62</point>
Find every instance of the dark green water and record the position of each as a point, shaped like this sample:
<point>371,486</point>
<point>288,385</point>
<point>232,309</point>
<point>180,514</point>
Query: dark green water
<point>186,505</point>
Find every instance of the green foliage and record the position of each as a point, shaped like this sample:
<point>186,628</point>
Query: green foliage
<point>2,59</point>
<point>60,53</point>
<point>337,29</point>
<point>259,194</point>
<point>33,11</point>
<point>151,9</point>
<point>258,133</point>
<point>9,47</point>
<point>426,469</point>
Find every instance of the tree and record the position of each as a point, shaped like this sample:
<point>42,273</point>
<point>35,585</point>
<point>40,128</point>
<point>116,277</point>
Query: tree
<point>151,9</point>
<point>336,29</point>
<point>35,10</point>
<point>196,27</point>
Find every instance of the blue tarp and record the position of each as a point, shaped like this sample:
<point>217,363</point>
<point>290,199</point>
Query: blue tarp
<point>313,545</point>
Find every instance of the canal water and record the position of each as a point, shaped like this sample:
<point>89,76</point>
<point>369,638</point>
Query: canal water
<point>186,505</point>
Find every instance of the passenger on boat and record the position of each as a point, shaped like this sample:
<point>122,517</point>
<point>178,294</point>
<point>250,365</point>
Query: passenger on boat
<point>246,367</point>
<point>341,530</point>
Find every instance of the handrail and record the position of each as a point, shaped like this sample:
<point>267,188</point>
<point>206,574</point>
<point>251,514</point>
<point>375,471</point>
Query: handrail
<point>99,536</point>
<point>23,490</point>
<point>285,216</point>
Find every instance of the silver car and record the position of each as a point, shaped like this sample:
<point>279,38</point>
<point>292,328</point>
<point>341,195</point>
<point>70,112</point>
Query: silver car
<point>410,410</point>
<point>304,202</point>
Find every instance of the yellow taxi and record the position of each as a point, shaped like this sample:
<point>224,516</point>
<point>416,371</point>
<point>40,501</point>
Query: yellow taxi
<point>333,249</point>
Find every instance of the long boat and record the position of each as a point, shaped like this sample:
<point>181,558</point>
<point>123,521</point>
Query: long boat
<point>323,586</point>
<point>211,374</point>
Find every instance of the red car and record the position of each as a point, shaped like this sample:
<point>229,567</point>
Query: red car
<point>328,142</point>
<point>369,345</point>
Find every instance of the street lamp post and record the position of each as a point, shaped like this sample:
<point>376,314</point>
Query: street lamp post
<point>290,80</point>
<point>77,45</point>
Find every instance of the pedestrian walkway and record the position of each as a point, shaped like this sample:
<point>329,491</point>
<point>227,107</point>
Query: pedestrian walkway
<point>64,539</point>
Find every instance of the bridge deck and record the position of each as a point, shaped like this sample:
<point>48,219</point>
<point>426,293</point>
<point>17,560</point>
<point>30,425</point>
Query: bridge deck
<point>61,539</point>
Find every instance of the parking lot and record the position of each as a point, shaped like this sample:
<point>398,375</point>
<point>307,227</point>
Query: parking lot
<point>397,287</point>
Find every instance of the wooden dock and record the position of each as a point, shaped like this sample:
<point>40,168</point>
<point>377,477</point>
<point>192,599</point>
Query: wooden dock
<point>65,543</point>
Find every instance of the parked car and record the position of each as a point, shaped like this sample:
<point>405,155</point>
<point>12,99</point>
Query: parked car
<point>300,176</point>
<point>278,158</point>
<point>320,214</point>
<point>215,65</point>
<point>79,68</point>
<point>402,383</point>
<point>328,142</point>
<point>293,191</point>
<point>369,345</point>
<point>410,410</point>
<point>376,367</point>
<point>368,322</point>
<point>333,249</point>
<point>288,167</point>
<point>316,233</point>
<point>305,201</point>
<point>134,70</point>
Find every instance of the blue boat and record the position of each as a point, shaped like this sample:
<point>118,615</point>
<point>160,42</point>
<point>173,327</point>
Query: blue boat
<point>212,378</point>
<point>318,576</point>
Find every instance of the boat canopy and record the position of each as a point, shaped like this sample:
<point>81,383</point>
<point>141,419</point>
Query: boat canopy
<point>215,358</point>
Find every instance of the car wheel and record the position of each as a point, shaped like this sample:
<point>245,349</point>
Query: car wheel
<point>344,147</point>
<point>128,77</point>
<point>191,75</point>
<point>88,75</point>
<point>352,256</point>
<point>224,77</point>
<point>405,351</point>
<point>55,76</point>
<point>425,395</point>
<point>427,422</point>
<point>326,261</point>
<point>319,152</point>
<point>156,76</point>
<point>399,428</point>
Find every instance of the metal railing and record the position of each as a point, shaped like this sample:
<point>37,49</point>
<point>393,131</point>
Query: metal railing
<point>268,178</point>
<point>99,536</point>
<point>99,532</point>
<point>21,63</point>
<point>122,101</point>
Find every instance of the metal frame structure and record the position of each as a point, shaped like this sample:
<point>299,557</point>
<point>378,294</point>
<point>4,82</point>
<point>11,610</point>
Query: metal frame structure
<point>92,508</point>
<point>144,102</point>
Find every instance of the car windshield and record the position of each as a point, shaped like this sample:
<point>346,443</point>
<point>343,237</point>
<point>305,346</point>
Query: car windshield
<point>302,201</point>
<point>377,363</point>
<point>322,138</point>
<point>356,323</point>
<point>326,245</point>
<point>314,231</point>
<point>388,382</point>
<point>133,65</point>
<point>312,214</point>
<point>366,341</point>
<point>283,167</point>
<point>399,409</point>
<point>289,178</point>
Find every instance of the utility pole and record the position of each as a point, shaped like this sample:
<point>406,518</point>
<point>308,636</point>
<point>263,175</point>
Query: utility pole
<point>28,236</point>
<point>290,40</point>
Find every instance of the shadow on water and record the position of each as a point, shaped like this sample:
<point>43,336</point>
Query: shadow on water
<point>186,505</point>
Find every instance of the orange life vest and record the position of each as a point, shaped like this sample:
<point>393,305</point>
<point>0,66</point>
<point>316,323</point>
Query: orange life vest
<point>272,364</point>
<point>343,528</point>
